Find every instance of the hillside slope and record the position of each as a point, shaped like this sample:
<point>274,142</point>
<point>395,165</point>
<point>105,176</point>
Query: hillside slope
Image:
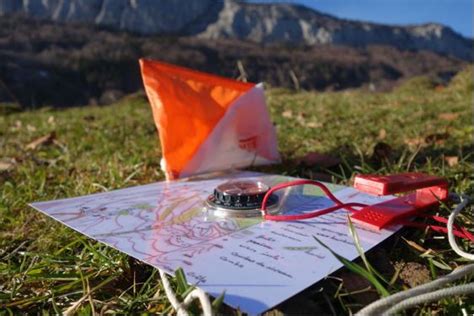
<point>45,63</point>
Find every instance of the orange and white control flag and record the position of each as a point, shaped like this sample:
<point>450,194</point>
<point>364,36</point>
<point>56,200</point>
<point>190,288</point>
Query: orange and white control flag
<point>207,123</point>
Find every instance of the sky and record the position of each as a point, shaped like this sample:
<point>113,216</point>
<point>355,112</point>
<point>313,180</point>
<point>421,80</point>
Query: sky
<point>457,14</point>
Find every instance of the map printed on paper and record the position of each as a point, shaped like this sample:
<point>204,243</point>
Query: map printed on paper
<point>257,263</point>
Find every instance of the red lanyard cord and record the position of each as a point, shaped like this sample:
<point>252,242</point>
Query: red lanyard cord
<point>295,217</point>
<point>443,220</point>
<point>458,231</point>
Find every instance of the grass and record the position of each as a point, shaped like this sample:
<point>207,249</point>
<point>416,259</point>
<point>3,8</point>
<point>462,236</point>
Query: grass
<point>46,268</point>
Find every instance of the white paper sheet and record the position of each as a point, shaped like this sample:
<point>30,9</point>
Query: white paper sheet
<point>257,263</point>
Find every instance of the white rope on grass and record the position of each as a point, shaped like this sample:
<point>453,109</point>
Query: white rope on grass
<point>463,289</point>
<point>381,305</point>
<point>179,307</point>
<point>451,238</point>
<point>424,293</point>
<point>199,294</point>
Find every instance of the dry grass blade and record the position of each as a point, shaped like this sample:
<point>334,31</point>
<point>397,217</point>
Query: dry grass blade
<point>72,309</point>
<point>43,140</point>
<point>414,245</point>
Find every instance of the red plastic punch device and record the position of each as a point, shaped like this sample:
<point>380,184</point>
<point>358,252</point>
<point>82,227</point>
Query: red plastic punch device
<point>428,191</point>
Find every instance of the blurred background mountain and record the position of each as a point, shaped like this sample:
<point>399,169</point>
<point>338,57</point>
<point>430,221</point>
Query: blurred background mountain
<point>75,52</point>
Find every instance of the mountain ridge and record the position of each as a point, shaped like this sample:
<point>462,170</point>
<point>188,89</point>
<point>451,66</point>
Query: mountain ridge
<point>46,63</point>
<point>228,19</point>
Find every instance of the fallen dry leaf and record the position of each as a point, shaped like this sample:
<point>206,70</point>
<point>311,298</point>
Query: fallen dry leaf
<point>314,124</point>
<point>382,134</point>
<point>448,116</point>
<point>320,160</point>
<point>451,160</point>
<point>287,114</point>
<point>43,140</point>
<point>415,142</point>
<point>6,164</point>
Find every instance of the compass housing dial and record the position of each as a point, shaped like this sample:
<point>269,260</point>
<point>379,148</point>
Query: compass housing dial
<point>241,198</point>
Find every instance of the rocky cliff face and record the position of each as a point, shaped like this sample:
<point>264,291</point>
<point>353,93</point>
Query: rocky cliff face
<point>262,23</point>
<point>141,16</point>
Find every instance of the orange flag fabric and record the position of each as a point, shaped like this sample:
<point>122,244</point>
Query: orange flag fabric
<point>207,123</point>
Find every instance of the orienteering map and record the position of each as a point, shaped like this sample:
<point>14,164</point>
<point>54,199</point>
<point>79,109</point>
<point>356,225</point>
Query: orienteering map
<point>257,263</point>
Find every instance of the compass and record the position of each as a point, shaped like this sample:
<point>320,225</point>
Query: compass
<point>240,198</point>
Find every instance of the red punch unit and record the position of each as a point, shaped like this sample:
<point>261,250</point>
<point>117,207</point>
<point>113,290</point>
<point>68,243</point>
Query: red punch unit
<point>428,191</point>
